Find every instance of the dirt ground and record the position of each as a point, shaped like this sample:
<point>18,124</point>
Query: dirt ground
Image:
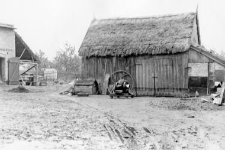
<point>43,119</point>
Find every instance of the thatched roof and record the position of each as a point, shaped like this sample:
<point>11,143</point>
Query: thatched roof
<point>137,36</point>
<point>28,53</point>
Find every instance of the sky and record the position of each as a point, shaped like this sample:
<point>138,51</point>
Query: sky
<point>48,24</point>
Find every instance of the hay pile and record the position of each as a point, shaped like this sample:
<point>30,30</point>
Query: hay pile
<point>19,89</point>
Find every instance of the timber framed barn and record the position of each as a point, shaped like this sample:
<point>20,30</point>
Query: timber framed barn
<point>163,54</point>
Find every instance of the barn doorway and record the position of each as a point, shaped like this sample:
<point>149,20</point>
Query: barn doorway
<point>155,77</point>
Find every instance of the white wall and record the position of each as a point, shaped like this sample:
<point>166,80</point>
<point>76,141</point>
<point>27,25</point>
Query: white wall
<point>7,48</point>
<point>50,73</point>
<point>198,69</point>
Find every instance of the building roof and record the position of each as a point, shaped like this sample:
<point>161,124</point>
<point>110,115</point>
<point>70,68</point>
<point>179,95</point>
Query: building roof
<point>86,82</point>
<point>215,57</point>
<point>7,25</point>
<point>21,46</point>
<point>137,36</point>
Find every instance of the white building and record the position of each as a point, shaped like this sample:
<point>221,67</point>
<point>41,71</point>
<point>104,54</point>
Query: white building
<point>13,52</point>
<point>7,49</point>
<point>50,73</point>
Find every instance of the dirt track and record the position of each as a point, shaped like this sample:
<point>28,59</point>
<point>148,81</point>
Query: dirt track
<point>43,119</point>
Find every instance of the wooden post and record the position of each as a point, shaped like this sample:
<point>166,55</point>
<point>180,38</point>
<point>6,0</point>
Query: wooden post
<point>37,75</point>
<point>208,80</point>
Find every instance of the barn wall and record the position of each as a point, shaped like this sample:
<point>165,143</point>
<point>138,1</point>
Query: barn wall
<point>159,75</point>
<point>162,75</point>
<point>203,72</point>
<point>99,67</point>
<point>199,72</point>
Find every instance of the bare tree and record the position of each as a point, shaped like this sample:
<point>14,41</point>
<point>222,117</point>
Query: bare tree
<point>66,60</point>
<point>44,62</point>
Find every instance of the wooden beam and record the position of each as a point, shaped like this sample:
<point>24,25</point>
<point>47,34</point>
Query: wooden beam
<point>37,75</point>
<point>208,89</point>
<point>198,28</point>
<point>27,62</point>
<point>28,70</point>
<point>32,58</point>
<point>22,52</point>
<point>208,55</point>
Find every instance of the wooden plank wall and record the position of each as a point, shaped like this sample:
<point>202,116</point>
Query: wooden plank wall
<point>170,72</point>
<point>197,59</point>
<point>98,67</point>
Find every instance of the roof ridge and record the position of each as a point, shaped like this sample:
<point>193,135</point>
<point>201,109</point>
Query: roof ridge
<point>144,17</point>
<point>7,25</point>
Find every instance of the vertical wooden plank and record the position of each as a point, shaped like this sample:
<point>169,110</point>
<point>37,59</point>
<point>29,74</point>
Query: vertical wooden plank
<point>137,75</point>
<point>143,74</point>
<point>175,74</point>
<point>150,76</point>
<point>164,72</point>
<point>159,77</point>
<point>171,75</point>
<point>155,75</point>
<point>161,74</point>
<point>186,77</point>
<point>165,75</point>
<point>181,70</point>
<point>184,70</point>
<point>179,73</point>
<point>147,76</point>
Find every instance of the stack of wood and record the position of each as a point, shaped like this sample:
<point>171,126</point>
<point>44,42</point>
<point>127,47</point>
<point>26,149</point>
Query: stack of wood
<point>86,87</point>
